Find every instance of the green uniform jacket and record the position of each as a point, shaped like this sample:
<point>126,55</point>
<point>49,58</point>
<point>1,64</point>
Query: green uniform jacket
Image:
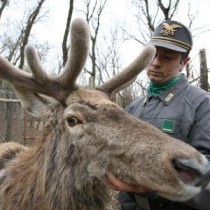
<point>182,111</point>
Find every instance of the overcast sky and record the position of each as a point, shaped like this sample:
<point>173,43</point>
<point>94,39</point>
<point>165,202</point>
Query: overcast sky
<point>119,12</point>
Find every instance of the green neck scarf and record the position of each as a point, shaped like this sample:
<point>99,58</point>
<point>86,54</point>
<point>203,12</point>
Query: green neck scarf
<point>157,89</point>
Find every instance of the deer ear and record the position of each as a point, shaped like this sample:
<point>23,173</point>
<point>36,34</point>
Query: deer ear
<point>35,104</point>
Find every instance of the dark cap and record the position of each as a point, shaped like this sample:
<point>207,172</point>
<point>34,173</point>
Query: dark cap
<point>172,35</point>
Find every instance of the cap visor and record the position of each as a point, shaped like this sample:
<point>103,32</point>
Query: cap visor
<point>168,45</point>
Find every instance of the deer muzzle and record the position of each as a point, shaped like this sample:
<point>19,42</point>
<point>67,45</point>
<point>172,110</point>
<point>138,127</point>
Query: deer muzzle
<point>191,172</point>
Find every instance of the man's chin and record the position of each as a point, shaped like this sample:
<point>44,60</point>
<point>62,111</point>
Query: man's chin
<point>156,80</point>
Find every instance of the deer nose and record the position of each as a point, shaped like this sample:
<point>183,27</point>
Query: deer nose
<point>192,172</point>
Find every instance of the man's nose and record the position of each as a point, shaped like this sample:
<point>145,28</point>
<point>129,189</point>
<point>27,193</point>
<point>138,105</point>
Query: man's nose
<point>155,61</point>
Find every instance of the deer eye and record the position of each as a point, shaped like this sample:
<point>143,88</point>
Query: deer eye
<point>72,121</point>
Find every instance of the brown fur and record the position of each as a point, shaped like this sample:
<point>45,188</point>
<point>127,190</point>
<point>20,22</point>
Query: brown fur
<point>68,170</point>
<point>90,136</point>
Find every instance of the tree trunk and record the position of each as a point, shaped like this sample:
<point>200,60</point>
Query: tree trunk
<point>4,4</point>
<point>27,31</point>
<point>66,33</point>
<point>203,70</point>
<point>93,17</point>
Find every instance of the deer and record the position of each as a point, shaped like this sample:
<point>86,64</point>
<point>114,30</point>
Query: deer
<point>90,136</point>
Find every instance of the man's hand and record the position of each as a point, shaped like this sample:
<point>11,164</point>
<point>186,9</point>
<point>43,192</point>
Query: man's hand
<point>118,185</point>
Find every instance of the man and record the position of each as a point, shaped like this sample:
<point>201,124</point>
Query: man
<point>174,106</point>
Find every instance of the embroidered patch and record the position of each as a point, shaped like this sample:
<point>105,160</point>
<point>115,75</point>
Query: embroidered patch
<point>169,30</point>
<point>168,126</point>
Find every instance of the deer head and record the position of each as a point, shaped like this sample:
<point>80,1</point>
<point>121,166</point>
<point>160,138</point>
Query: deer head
<point>90,137</point>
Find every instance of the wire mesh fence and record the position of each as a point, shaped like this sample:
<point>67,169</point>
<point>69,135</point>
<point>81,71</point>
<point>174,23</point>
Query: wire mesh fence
<point>11,118</point>
<point>15,124</point>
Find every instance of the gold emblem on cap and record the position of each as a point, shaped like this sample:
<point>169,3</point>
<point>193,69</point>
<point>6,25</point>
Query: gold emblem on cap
<point>169,29</point>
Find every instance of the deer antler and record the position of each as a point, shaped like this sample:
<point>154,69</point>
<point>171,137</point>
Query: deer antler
<point>79,48</point>
<point>40,82</point>
<point>60,86</point>
<point>130,72</point>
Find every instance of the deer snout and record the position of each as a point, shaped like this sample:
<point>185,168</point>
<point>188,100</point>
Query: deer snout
<point>191,172</point>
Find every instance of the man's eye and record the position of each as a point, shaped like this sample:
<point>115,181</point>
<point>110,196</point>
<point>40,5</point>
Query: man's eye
<point>167,58</point>
<point>72,121</point>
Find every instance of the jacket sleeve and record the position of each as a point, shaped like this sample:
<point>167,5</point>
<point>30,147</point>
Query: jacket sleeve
<point>127,201</point>
<point>201,201</point>
<point>199,137</point>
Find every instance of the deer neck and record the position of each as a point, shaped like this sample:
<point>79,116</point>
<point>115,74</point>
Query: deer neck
<point>42,171</point>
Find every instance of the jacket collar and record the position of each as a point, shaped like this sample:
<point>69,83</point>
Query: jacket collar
<point>171,93</point>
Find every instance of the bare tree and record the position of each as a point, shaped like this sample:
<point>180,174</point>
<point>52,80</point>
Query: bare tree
<point>32,18</point>
<point>203,70</point>
<point>170,9</point>
<point>66,33</point>
<point>148,15</point>
<point>110,61</point>
<point>4,3</point>
<point>93,14</point>
<point>13,44</point>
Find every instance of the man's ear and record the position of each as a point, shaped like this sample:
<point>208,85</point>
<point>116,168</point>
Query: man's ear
<point>184,62</point>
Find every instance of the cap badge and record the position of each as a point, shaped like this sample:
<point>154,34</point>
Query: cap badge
<point>169,30</point>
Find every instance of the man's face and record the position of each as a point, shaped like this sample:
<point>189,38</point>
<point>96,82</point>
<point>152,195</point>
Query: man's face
<point>166,65</point>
